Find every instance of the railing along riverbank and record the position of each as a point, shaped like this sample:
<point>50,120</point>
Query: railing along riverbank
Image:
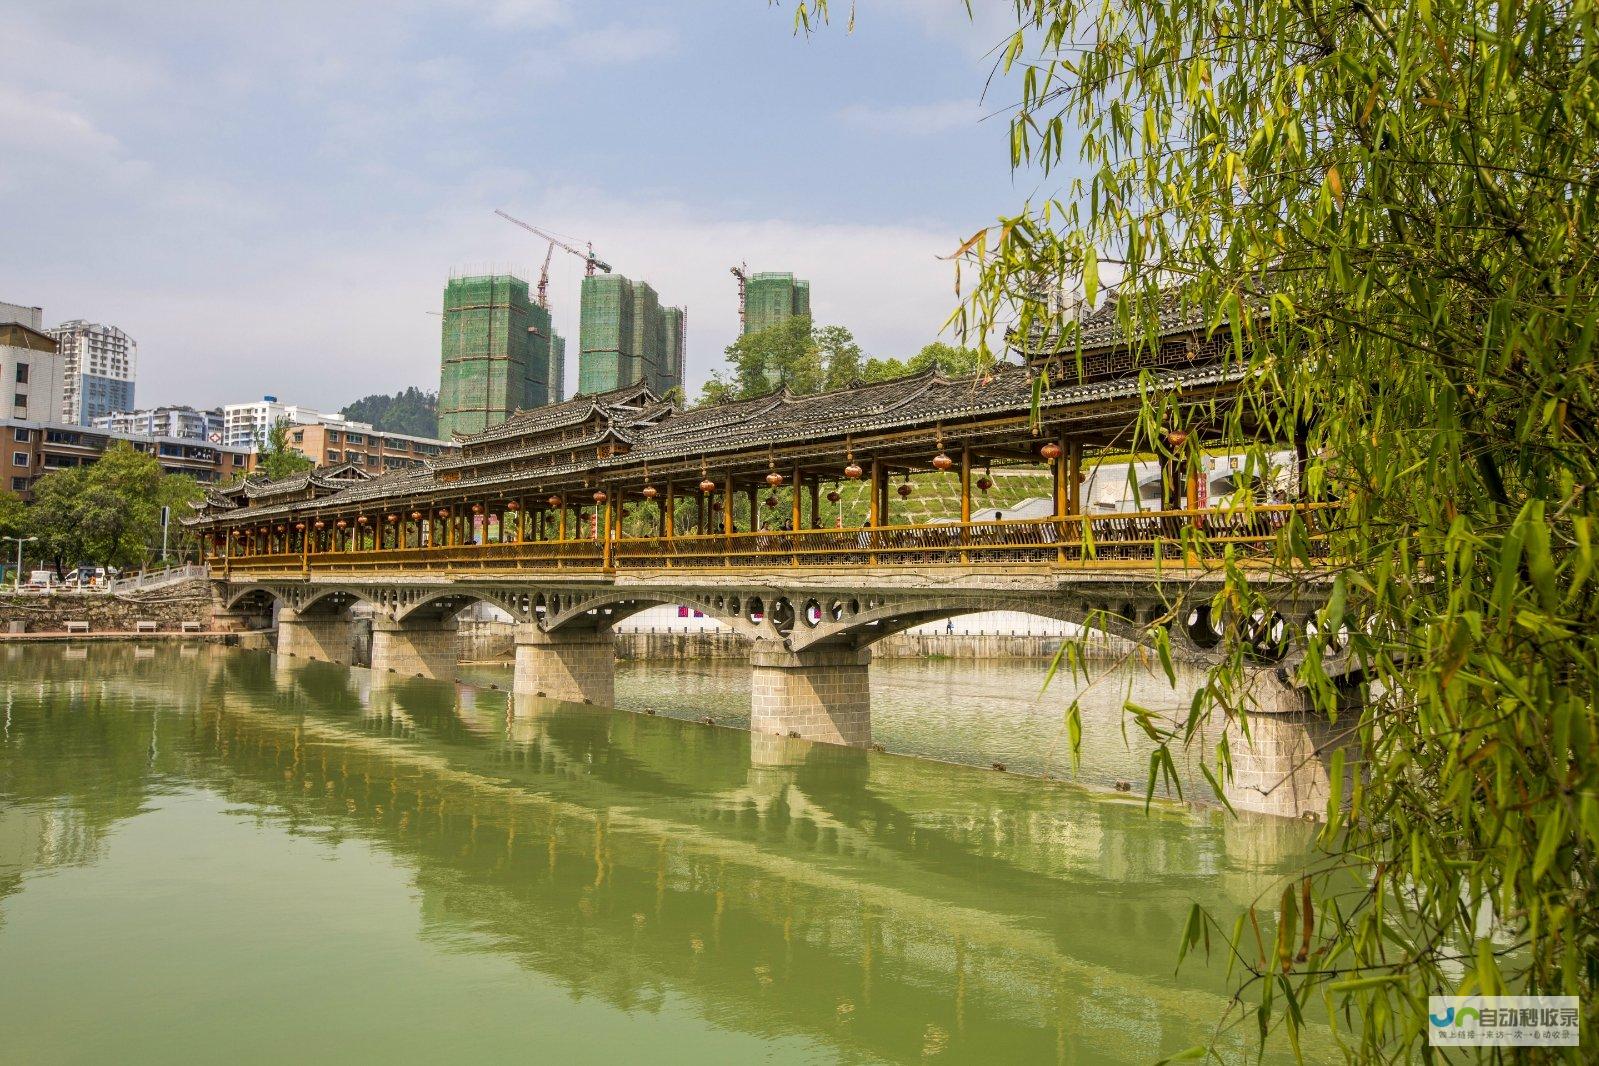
<point>1123,539</point>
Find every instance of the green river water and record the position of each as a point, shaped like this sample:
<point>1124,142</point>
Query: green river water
<point>209,855</point>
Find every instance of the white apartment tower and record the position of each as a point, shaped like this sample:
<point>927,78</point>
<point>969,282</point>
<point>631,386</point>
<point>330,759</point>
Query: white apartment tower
<point>99,365</point>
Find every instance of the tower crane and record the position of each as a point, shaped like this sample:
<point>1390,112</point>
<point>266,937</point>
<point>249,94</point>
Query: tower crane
<point>742,273</point>
<point>592,262</point>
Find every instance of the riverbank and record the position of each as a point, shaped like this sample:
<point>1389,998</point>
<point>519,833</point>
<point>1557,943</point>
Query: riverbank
<point>107,613</point>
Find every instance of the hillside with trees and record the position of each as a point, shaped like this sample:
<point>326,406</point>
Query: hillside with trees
<point>411,411</point>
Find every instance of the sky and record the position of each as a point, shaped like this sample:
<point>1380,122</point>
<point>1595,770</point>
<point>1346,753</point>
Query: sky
<point>269,198</point>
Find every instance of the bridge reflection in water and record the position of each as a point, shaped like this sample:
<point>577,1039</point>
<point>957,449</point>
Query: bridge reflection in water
<point>877,907</point>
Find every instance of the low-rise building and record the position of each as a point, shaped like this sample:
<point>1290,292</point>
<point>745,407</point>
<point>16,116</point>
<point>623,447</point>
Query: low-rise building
<point>329,444</point>
<point>30,372</point>
<point>183,423</point>
<point>29,450</point>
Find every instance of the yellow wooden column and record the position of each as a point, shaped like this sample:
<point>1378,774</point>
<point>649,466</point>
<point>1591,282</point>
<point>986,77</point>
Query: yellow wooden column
<point>874,512</point>
<point>727,507</point>
<point>966,483</point>
<point>562,530</point>
<point>669,513</point>
<point>1074,477</point>
<point>604,530</point>
<point>794,492</point>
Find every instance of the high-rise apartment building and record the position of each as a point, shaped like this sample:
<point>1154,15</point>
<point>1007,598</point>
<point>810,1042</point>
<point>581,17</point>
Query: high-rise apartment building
<point>628,337</point>
<point>246,425</point>
<point>499,353</point>
<point>177,423</point>
<point>99,365</point>
<point>770,298</point>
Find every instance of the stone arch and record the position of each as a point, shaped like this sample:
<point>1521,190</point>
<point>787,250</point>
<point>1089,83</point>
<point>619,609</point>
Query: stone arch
<point>571,610</point>
<point>446,602</point>
<point>882,617</point>
<point>319,599</point>
<point>248,597</point>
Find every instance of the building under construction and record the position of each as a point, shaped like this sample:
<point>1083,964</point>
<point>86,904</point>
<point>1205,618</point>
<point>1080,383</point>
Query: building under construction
<point>770,298</point>
<point>626,337</point>
<point>499,354</point>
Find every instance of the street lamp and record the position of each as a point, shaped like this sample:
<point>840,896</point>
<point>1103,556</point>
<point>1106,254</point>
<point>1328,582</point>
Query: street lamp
<point>20,542</point>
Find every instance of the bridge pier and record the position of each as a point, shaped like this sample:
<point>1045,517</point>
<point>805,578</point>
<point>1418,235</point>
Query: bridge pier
<point>329,636</point>
<point>821,693</point>
<point>1284,765</point>
<point>415,648</point>
<point>577,665</point>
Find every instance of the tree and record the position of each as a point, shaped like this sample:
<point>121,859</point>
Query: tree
<point>1390,208</point>
<point>108,513</point>
<point>951,360</point>
<point>56,517</point>
<point>795,354</point>
<point>277,459</point>
<point>840,355</point>
<point>13,514</point>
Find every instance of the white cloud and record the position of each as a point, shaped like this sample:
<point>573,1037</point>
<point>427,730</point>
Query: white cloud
<point>620,44</point>
<point>49,123</point>
<point>914,120</point>
<point>524,14</point>
<point>322,320</point>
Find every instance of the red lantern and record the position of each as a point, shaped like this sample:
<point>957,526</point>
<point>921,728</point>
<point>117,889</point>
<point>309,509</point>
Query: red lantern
<point>319,524</point>
<point>1050,451</point>
<point>1176,439</point>
<point>774,479</point>
<point>771,501</point>
<point>238,533</point>
<point>554,501</point>
<point>416,516</point>
<point>983,484</point>
<point>905,490</point>
<point>393,518</point>
<point>832,497</point>
<point>707,485</point>
<point>650,492</point>
<point>280,528</point>
<point>341,523</point>
<point>361,520</point>
<point>853,471</point>
<point>513,506</point>
<point>716,505</point>
<point>299,527</point>
<point>444,512</point>
<point>477,508</point>
<point>942,462</point>
<point>599,496</point>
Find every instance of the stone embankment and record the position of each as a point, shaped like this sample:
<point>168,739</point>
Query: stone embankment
<point>107,612</point>
<point>494,641</point>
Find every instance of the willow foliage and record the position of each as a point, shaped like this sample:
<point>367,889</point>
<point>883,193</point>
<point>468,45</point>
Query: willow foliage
<point>1393,207</point>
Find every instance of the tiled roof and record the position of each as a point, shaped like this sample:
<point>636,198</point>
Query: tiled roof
<point>559,415</point>
<point>1102,327</point>
<point>780,419</point>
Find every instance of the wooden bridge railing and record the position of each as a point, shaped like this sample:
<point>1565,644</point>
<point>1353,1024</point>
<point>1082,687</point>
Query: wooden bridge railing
<point>1130,538</point>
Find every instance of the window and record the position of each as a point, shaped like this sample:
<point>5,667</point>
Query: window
<point>333,437</point>
<point>355,438</point>
<point>22,373</point>
<point>334,457</point>
<point>19,401</point>
<point>19,484</point>
<point>299,436</point>
<point>21,436</point>
<point>19,459</point>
